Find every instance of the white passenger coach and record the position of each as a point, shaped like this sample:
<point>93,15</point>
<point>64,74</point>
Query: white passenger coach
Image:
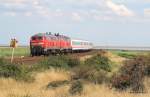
<point>81,45</point>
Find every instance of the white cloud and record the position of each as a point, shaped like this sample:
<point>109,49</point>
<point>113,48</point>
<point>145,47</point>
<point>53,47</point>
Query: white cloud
<point>147,0</point>
<point>12,2</point>
<point>36,2</point>
<point>147,12</point>
<point>99,18</point>
<point>58,13</point>
<point>76,17</point>
<point>85,2</point>
<point>28,14</point>
<point>76,10</point>
<point>119,9</point>
<point>44,13</point>
<point>39,9</point>
<point>10,14</point>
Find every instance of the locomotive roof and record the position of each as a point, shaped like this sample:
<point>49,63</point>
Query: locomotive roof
<point>51,35</point>
<point>40,34</point>
<point>62,36</point>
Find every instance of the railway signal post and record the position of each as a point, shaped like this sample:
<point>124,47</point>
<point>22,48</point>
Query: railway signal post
<point>13,45</point>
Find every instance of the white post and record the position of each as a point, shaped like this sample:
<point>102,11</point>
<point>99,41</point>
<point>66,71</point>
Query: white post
<point>12,56</point>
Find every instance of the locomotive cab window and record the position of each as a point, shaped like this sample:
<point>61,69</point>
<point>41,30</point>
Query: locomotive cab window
<point>39,38</point>
<point>33,38</point>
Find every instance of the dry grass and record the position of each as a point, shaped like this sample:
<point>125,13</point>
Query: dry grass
<point>115,58</point>
<point>103,91</point>
<point>85,57</point>
<point>112,57</point>
<point>12,88</point>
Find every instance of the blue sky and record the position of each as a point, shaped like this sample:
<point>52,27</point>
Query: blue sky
<point>104,22</point>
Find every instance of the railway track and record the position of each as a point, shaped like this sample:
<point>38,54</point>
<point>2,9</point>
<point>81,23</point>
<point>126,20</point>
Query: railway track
<point>28,60</point>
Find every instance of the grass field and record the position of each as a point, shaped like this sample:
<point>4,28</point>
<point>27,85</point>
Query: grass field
<point>128,54</point>
<point>20,51</point>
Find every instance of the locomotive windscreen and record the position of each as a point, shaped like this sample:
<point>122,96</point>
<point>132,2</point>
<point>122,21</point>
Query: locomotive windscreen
<point>33,38</point>
<point>37,38</point>
<point>40,38</point>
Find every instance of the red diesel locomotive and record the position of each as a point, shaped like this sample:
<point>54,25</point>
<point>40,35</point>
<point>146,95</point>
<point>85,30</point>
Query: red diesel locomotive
<point>47,43</point>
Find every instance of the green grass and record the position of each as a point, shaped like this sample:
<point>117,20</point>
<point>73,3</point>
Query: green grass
<point>20,51</point>
<point>64,62</point>
<point>16,71</point>
<point>128,54</point>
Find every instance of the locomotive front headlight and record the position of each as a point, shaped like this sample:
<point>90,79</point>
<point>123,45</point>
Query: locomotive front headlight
<point>40,43</point>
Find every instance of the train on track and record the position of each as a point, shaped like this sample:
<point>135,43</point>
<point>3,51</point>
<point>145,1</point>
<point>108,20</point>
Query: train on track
<point>48,43</point>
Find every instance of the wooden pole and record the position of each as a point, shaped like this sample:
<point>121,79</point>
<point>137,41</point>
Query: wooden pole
<point>12,56</point>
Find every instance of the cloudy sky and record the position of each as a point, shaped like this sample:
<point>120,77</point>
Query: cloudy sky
<point>104,22</point>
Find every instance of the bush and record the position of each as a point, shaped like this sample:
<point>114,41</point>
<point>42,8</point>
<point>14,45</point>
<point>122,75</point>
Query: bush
<point>73,62</point>
<point>25,74</point>
<point>60,62</point>
<point>89,73</point>
<point>147,70</point>
<point>131,75</point>
<point>2,62</point>
<point>76,88</point>
<point>98,77</point>
<point>120,82</point>
<point>56,62</point>
<point>56,84</point>
<point>100,62</point>
<point>81,72</point>
<point>94,69</point>
<point>9,70</point>
<point>17,72</point>
<point>147,66</point>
